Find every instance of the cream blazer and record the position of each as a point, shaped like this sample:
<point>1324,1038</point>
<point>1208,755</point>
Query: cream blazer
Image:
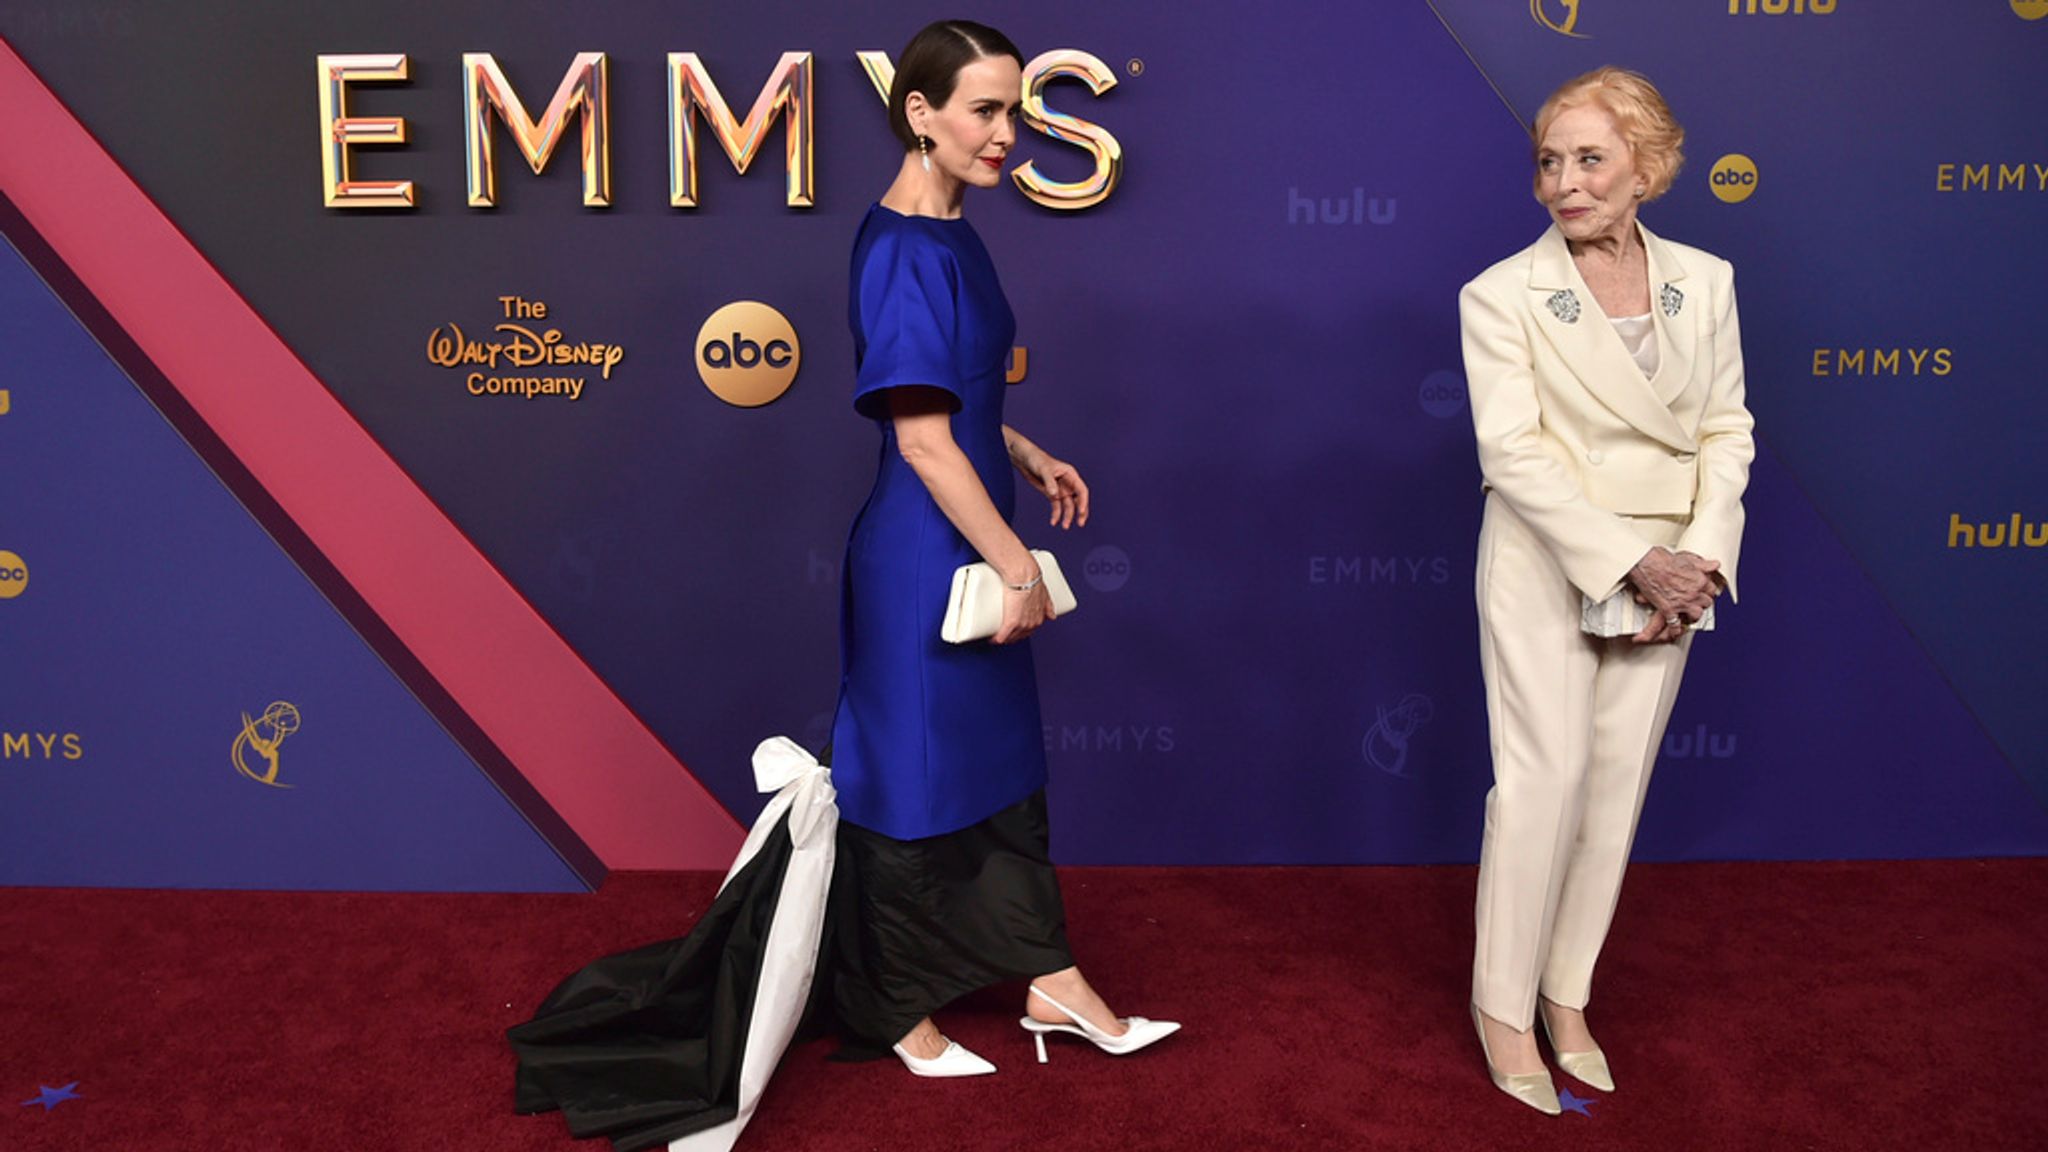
<point>1573,437</point>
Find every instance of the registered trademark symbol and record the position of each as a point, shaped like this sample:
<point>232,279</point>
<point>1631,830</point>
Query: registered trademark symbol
<point>1136,67</point>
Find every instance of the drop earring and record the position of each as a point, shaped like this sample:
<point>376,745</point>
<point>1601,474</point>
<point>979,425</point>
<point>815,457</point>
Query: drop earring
<point>924,151</point>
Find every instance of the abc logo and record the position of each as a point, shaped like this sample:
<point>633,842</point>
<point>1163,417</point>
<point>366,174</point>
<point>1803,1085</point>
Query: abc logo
<point>1442,394</point>
<point>1733,178</point>
<point>747,354</point>
<point>1107,568</point>
<point>2030,9</point>
<point>13,576</point>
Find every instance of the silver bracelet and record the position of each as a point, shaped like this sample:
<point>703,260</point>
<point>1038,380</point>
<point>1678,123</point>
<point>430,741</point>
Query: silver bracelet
<point>1027,585</point>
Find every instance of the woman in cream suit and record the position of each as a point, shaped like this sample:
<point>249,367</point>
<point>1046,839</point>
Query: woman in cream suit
<point>1605,368</point>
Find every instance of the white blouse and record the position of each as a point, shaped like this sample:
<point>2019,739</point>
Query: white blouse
<point>1639,335</point>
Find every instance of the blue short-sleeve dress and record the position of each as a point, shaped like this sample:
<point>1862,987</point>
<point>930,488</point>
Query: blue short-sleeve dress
<point>943,881</point>
<point>929,737</point>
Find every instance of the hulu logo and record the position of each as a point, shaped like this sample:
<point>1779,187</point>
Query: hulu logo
<point>2012,533</point>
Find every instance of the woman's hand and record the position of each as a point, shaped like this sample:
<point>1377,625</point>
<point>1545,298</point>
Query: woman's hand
<point>1061,484</point>
<point>1678,587</point>
<point>1024,612</point>
<point>1055,479</point>
<point>923,422</point>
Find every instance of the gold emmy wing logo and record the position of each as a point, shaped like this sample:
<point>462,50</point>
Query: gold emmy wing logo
<point>1733,178</point>
<point>262,737</point>
<point>6,401</point>
<point>13,576</point>
<point>2030,9</point>
<point>747,354</point>
<point>1565,27</point>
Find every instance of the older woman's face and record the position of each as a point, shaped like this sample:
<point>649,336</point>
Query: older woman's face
<point>973,134</point>
<point>1585,176</point>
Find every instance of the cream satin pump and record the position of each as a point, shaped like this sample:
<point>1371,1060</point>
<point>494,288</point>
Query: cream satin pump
<point>1585,1067</point>
<point>1531,1088</point>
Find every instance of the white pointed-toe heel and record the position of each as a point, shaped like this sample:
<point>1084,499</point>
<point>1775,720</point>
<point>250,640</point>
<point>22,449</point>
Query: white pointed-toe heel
<point>954,1061</point>
<point>1585,1067</point>
<point>1532,1088</point>
<point>1138,1031</point>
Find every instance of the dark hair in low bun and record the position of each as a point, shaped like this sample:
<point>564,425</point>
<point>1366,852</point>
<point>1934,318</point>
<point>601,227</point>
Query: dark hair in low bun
<point>931,64</point>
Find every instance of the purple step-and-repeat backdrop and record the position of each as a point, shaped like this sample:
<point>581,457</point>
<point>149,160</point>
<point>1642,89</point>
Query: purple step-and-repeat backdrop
<point>1248,344</point>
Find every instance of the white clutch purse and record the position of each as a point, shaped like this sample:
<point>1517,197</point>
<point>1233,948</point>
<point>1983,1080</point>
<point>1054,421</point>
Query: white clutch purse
<point>975,609</point>
<point>1620,615</point>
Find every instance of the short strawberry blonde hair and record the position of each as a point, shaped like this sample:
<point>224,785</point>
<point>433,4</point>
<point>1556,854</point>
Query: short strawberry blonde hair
<point>1640,115</point>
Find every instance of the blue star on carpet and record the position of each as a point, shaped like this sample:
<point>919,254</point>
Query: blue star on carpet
<point>51,1097</point>
<point>1571,1103</point>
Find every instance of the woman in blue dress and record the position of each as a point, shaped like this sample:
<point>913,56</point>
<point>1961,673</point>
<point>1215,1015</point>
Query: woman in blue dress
<point>938,751</point>
<point>942,883</point>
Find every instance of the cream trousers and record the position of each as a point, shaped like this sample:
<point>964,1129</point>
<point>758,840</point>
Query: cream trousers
<point>1575,726</point>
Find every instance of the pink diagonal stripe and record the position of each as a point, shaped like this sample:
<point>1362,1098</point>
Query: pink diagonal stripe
<point>572,738</point>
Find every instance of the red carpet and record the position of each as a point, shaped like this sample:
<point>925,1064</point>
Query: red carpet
<point>1744,1006</point>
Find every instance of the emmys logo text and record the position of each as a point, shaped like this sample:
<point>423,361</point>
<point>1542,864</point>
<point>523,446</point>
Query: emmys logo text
<point>69,18</point>
<point>582,105</point>
<point>1379,571</point>
<point>41,746</point>
<point>1134,738</point>
<point>1883,361</point>
<point>2020,176</point>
